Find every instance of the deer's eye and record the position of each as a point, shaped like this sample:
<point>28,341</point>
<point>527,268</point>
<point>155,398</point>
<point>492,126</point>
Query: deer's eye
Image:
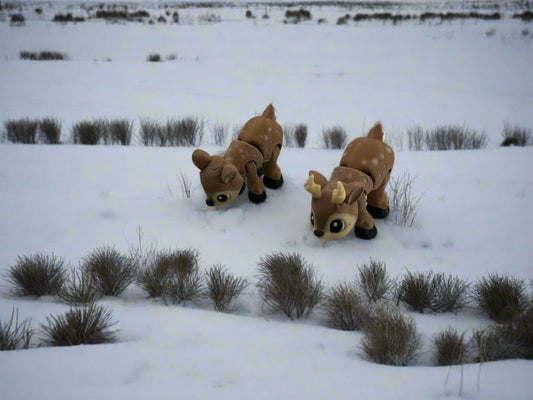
<point>336,226</point>
<point>312,219</point>
<point>222,198</point>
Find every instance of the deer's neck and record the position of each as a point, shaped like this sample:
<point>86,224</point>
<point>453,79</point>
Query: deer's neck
<point>349,175</point>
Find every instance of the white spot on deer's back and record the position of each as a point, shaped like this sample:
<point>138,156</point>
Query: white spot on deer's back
<point>389,150</point>
<point>363,162</point>
<point>375,161</point>
<point>269,129</point>
<point>382,156</point>
<point>240,150</point>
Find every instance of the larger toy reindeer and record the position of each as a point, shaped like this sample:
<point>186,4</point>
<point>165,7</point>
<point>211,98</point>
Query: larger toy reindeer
<point>255,152</point>
<point>355,194</point>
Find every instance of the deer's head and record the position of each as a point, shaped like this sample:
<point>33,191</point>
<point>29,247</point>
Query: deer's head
<point>220,179</point>
<point>334,209</point>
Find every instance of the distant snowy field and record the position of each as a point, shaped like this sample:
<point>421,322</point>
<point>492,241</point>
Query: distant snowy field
<point>475,215</point>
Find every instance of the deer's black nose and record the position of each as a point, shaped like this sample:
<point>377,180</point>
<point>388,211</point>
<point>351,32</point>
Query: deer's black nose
<point>210,202</point>
<point>318,233</point>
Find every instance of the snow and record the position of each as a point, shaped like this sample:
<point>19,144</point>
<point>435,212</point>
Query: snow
<point>475,213</point>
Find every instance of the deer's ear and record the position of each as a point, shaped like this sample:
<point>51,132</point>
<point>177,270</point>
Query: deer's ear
<point>201,159</point>
<point>353,192</point>
<point>228,173</point>
<point>270,112</point>
<point>319,178</point>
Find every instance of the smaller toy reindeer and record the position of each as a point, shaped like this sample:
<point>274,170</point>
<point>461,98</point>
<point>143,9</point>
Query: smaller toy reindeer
<point>255,152</point>
<point>355,194</point>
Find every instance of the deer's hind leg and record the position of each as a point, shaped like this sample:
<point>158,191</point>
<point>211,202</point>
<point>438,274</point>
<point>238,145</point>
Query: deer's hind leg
<point>273,178</point>
<point>378,201</point>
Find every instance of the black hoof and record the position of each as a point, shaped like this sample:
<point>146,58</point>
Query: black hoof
<point>273,183</point>
<point>257,198</point>
<point>366,234</point>
<point>377,213</point>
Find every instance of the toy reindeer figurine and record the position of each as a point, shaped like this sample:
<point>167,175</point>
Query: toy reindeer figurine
<point>356,191</point>
<point>255,152</point>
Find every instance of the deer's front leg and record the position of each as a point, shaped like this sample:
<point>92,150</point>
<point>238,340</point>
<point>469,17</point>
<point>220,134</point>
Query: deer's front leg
<point>256,189</point>
<point>364,227</point>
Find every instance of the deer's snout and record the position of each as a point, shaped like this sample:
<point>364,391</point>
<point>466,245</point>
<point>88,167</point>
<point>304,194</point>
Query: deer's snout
<point>318,233</point>
<point>210,202</point>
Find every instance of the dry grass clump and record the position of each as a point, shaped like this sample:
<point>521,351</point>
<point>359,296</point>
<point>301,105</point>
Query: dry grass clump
<point>502,297</point>
<point>289,284</point>
<point>403,204</point>
<point>450,347</point>
<point>22,130</point>
<point>295,135</point>
<point>455,137</point>
<point>50,130</point>
<point>334,138</point>
<point>514,135</point>
<point>89,324</point>
<point>110,271</point>
<point>344,308</point>
<point>79,289</point>
<point>223,288</point>
<point>118,131</point>
<point>219,132</point>
<point>87,132</point>
<point>373,280</point>
<point>37,275</point>
<point>15,335</point>
<point>391,338</point>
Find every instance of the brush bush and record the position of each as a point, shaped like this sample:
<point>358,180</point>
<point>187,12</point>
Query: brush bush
<point>514,135</point>
<point>438,293</point>
<point>87,132</point>
<point>185,280</point>
<point>496,343</point>
<point>118,131</point>
<point>415,138</point>
<point>187,131</point>
<point>50,130</point>
<point>79,289</point>
<point>502,297</point>
<point>295,135</point>
<point>403,203</point>
<point>344,308</point>
<point>110,271</point>
<point>455,137</point>
<point>450,347</point>
<point>15,335</point>
<point>37,275</point>
<point>22,130</point>
<point>219,132</point>
<point>88,324</point>
<point>334,138</point>
<point>152,133</point>
<point>289,284</point>
<point>43,55</point>
<point>223,288</point>
<point>391,338</point>
<point>154,57</point>
<point>373,280</point>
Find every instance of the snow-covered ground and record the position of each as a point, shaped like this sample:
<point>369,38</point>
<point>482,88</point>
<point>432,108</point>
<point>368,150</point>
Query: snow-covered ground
<point>475,216</point>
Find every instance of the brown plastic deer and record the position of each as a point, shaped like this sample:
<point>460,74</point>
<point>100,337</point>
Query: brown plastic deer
<point>254,152</point>
<point>355,194</point>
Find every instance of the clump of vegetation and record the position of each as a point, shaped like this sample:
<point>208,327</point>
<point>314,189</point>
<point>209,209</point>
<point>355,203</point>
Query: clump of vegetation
<point>450,347</point>
<point>344,308</point>
<point>382,16</point>
<point>154,57</point>
<point>295,135</point>
<point>110,271</point>
<point>118,131</point>
<point>416,138</point>
<point>223,288</point>
<point>455,137</point>
<point>185,185</point>
<point>525,16</point>
<point>502,297</point>
<point>187,131</point>
<point>79,289</point>
<point>289,284</point>
<point>17,20</point>
<point>50,130</point>
<point>89,324</point>
<point>334,138</point>
<point>434,292</point>
<point>516,136</point>
<point>185,280</point>
<point>22,130</point>
<point>402,203</point>
<point>219,133</point>
<point>373,280</point>
<point>15,335</point>
<point>296,16</point>
<point>497,343</point>
<point>37,275</point>
<point>43,55</point>
<point>87,132</point>
<point>391,338</point>
<point>152,133</point>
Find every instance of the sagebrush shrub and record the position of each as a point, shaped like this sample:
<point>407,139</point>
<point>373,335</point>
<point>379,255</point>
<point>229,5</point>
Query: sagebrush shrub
<point>502,297</point>
<point>288,284</point>
<point>415,291</point>
<point>118,131</point>
<point>373,280</point>
<point>185,280</point>
<point>110,271</point>
<point>15,335</point>
<point>223,288</point>
<point>37,275</point>
<point>455,137</point>
<point>152,133</point>
<point>415,138</point>
<point>514,135</point>
<point>334,138</point>
<point>87,132</point>
<point>89,324</point>
<point>450,347</point>
<point>295,135</point>
<point>154,57</point>
<point>79,289</point>
<point>43,56</point>
<point>496,343</point>
<point>22,130</point>
<point>50,130</point>
<point>187,131</point>
<point>391,338</point>
<point>219,132</point>
<point>402,203</point>
<point>185,185</point>
<point>344,308</point>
